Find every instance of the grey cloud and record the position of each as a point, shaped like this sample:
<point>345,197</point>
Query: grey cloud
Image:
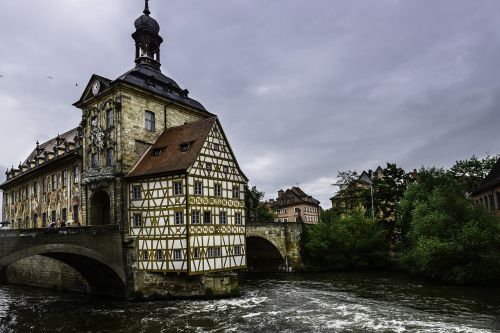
<point>303,89</point>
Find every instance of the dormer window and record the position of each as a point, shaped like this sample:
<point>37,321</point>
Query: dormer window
<point>158,151</point>
<point>185,146</point>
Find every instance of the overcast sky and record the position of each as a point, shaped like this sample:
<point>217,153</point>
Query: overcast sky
<point>303,88</point>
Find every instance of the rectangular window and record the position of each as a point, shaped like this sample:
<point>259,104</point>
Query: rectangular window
<point>236,192</point>
<point>177,255</point>
<point>44,219</point>
<point>76,175</point>
<point>285,220</point>
<point>210,252</point>
<point>94,160</point>
<point>217,251</point>
<point>216,146</point>
<point>177,188</point>
<point>195,217</point>
<point>137,220</point>
<point>237,218</point>
<point>196,253</point>
<point>179,218</point>
<point>208,166</point>
<point>54,182</point>
<point>27,222</point>
<point>53,216</point>
<point>35,188</point>
<point>65,178</point>
<point>218,190</point>
<point>297,210</point>
<point>136,192</point>
<point>207,218</point>
<point>237,250</point>
<point>149,121</point>
<point>222,218</point>
<point>159,255</point>
<point>75,214</point>
<point>64,215</point>
<point>145,255</point>
<point>109,119</point>
<point>198,188</point>
<point>110,157</point>
<point>35,220</point>
<point>225,169</point>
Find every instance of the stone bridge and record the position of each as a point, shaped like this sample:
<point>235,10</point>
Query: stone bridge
<point>95,252</point>
<point>273,246</point>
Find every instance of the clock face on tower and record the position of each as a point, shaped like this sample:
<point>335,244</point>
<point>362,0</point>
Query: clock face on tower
<point>96,87</point>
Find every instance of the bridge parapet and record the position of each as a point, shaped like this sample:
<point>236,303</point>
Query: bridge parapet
<point>90,230</point>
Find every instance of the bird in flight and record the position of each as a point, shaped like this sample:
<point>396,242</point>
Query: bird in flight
<point>50,77</point>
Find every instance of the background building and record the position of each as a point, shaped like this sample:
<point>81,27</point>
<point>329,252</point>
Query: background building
<point>488,194</point>
<point>294,205</point>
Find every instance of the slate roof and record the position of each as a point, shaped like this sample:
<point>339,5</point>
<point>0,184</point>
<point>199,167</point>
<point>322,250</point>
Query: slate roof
<point>293,196</point>
<point>172,159</point>
<point>151,80</point>
<point>492,179</point>
<point>49,145</point>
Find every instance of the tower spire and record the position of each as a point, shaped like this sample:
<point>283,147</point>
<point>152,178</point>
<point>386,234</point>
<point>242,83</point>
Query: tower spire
<point>147,40</point>
<point>146,8</point>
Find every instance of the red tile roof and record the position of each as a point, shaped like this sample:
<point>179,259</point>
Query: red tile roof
<point>171,158</point>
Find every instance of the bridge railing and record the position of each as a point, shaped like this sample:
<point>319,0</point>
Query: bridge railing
<point>268,223</point>
<point>59,231</point>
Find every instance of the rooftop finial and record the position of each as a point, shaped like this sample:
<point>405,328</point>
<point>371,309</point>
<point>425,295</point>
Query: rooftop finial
<point>146,8</point>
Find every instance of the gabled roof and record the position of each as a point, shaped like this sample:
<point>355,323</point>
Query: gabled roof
<point>492,179</point>
<point>171,158</point>
<point>293,196</point>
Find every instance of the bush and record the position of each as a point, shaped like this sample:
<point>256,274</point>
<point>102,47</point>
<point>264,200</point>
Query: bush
<point>341,243</point>
<point>448,238</point>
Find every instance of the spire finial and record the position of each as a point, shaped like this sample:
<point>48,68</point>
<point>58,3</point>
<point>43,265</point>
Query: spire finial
<point>146,8</point>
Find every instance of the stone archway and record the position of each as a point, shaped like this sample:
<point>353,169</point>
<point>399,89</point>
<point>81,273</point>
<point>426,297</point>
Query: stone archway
<point>264,256</point>
<point>103,276</point>
<point>100,208</point>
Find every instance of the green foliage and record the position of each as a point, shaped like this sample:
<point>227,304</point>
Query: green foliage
<point>348,242</point>
<point>470,173</point>
<point>446,237</point>
<point>256,209</point>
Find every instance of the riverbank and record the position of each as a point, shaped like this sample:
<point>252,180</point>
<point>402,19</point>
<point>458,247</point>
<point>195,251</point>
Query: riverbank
<point>360,302</point>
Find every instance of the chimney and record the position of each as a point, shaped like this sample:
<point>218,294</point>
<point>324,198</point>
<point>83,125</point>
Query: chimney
<point>280,193</point>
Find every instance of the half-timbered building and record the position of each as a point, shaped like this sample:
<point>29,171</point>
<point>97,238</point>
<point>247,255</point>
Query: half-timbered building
<point>146,157</point>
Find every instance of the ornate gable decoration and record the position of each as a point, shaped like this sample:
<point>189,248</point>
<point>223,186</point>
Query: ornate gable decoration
<point>97,136</point>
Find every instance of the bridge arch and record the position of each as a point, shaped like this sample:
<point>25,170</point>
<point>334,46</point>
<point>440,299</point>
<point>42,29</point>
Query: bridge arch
<point>264,254</point>
<point>103,277</point>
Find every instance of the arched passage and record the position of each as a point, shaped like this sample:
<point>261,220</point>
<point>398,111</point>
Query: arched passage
<point>263,255</point>
<point>103,277</point>
<point>100,209</point>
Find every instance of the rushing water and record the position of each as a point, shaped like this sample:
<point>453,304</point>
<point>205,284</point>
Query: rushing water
<point>280,303</point>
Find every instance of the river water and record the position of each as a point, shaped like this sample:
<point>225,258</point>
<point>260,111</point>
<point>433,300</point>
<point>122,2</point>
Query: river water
<point>367,302</point>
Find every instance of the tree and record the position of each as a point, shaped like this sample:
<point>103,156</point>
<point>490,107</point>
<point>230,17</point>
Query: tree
<point>256,208</point>
<point>387,193</point>
<point>351,194</point>
<point>344,242</point>
<point>447,237</point>
<point>471,172</point>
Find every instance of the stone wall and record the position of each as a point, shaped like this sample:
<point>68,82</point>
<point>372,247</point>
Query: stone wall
<point>40,271</point>
<point>173,285</point>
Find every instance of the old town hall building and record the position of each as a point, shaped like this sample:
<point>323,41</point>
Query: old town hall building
<point>146,157</point>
